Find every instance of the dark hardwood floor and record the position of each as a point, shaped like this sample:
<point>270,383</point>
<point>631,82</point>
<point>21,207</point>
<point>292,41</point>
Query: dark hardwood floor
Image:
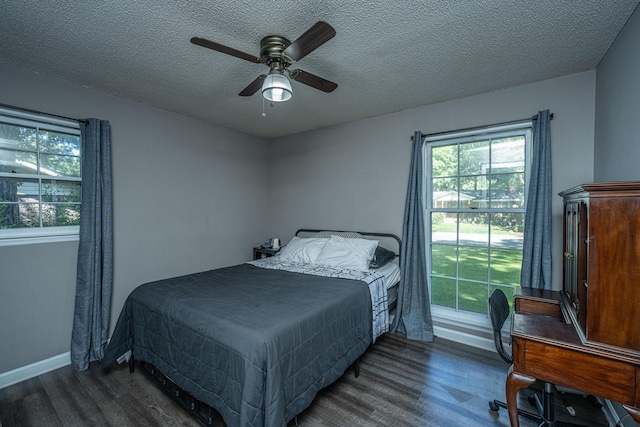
<point>401,383</point>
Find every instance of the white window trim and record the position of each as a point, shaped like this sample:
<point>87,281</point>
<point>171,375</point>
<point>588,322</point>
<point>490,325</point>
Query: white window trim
<point>23,236</point>
<point>40,118</point>
<point>446,315</point>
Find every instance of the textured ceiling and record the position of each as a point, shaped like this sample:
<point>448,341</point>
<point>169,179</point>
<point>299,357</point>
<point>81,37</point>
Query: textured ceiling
<point>387,55</point>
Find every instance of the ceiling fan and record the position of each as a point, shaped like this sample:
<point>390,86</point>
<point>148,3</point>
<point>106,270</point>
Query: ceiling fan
<point>279,54</point>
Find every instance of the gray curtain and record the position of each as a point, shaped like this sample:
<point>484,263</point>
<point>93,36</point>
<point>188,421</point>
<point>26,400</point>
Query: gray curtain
<point>536,258</point>
<point>413,312</point>
<point>95,252</point>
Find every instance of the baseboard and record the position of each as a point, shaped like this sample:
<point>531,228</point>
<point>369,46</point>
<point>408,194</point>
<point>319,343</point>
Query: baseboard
<point>33,370</point>
<point>464,338</point>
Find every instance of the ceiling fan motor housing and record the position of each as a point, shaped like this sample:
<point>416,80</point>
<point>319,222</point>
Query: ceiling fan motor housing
<point>271,48</point>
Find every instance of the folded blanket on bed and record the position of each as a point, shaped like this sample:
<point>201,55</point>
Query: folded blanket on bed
<point>379,302</point>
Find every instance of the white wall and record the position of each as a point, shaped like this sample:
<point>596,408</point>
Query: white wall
<point>188,196</point>
<point>354,176</point>
<point>617,135</point>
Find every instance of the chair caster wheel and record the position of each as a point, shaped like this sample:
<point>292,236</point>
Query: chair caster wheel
<point>493,407</point>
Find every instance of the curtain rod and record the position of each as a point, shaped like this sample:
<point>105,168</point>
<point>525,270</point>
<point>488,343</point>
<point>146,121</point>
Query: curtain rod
<point>484,127</point>
<point>40,113</point>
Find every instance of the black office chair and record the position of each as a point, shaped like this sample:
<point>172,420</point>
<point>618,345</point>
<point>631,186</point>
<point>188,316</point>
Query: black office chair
<point>499,313</point>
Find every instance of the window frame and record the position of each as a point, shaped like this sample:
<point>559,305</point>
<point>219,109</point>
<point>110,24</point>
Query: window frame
<point>457,316</point>
<point>22,236</point>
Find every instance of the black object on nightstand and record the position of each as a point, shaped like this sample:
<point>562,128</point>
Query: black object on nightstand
<point>259,251</point>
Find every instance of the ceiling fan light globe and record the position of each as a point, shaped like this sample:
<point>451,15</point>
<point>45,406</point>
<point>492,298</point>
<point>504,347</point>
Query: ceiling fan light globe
<point>276,88</point>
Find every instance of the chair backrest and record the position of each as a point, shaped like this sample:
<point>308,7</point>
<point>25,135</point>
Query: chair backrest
<point>499,313</point>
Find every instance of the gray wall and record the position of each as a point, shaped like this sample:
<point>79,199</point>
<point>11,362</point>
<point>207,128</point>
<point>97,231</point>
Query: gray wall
<point>37,285</point>
<point>351,176</point>
<point>354,176</point>
<point>617,134</point>
<point>188,196</point>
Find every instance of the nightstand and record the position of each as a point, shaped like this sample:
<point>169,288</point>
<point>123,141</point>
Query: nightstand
<point>260,252</point>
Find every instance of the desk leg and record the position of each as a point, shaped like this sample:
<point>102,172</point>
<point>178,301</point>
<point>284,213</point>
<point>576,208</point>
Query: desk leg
<point>515,382</point>
<point>634,412</point>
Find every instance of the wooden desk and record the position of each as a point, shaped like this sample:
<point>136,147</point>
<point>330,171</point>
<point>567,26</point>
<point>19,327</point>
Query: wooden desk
<point>586,337</point>
<point>547,347</point>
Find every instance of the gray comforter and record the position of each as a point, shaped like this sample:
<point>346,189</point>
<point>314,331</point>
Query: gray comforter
<point>255,344</point>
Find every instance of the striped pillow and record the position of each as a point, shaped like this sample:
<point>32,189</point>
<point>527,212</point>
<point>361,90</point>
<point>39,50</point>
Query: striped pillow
<point>346,234</point>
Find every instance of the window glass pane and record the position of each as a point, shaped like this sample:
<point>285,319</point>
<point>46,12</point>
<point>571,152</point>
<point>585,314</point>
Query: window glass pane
<point>444,161</point>
<point>507,154</point>
<point>28,215</point>
<point>474,229</point>
<point>17,137</point>
<point>505,266</point>
<point>443,292</point>
<point>473,297</point>
<point>18,190</point>
<point>507,229</point>
<point>15,161</point>
<point>444,260</point>
<point>473,191</point>
<point>61,191</point>
<point>54,165</point>
<point>444,227</point>
<point>507,191</point>
<point>59,143</point>
<point>54,215</point>
<point>9,189</point>
<point>473,263</point>
<point>9,215</point>
<point>445,193</point>
<point>474,158</point>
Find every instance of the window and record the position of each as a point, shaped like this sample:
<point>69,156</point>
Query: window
<point>40,181</point>
<point>476,187</point>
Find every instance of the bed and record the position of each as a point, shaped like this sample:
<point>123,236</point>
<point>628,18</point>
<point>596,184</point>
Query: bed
<point>257,341</point>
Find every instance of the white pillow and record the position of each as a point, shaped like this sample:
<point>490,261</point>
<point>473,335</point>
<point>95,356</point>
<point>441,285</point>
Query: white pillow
<point>304,251</point>
<point>348,253</point>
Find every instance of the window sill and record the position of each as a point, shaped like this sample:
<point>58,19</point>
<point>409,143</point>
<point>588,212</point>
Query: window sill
<point>27,237</point>
<point>461,319</point>
<point>472,329</point>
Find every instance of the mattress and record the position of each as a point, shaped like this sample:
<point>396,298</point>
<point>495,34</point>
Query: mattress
<point>391,274</point>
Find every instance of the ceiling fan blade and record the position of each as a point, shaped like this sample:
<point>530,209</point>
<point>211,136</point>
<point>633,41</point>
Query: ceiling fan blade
<point>312,39</point>
<point>313,80</point>
<point>225,49</point>
<point>253,86</point>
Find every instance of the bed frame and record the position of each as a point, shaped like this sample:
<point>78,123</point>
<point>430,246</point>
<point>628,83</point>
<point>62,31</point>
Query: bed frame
<point>200,410</point>
<point>398,241</point>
